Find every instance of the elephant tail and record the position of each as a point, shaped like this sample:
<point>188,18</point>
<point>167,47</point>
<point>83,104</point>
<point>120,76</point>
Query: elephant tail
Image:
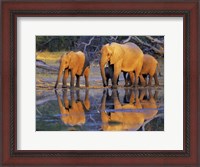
<point>158,67</point>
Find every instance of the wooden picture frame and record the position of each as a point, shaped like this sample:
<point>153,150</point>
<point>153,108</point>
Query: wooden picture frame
<point>13,9</point>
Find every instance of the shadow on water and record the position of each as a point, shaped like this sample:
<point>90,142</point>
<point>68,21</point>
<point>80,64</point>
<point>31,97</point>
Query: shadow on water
<point>101,110</point>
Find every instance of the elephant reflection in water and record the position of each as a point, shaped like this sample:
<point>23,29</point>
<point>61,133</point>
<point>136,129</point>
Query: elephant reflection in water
<point>149,103</point>
<point>73,111</point>
<point>128,116</point>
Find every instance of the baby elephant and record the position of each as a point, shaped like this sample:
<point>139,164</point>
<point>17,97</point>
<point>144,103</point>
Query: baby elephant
<point>77,64</point>
<point>150,67</point>
<point>109,71</point>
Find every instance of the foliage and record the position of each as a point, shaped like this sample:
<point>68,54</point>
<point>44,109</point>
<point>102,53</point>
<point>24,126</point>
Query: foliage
<point>91,45</point>
<point>55,43</point>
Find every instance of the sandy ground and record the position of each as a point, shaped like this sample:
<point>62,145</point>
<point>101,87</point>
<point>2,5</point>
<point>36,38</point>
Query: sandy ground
<point>46,79</point>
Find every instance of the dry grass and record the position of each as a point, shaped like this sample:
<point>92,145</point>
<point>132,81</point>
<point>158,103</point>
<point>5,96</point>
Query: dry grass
<point>50,58</point>
<point>44,78</point>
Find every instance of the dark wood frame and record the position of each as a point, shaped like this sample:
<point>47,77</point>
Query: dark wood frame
<point>11,10</point>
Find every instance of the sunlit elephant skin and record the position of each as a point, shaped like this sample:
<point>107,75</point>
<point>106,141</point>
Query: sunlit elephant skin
<point>75,63</point>
<point>150,65</point>
<point>123,118</point>
<point>125,57</point>
<point>73,111</point>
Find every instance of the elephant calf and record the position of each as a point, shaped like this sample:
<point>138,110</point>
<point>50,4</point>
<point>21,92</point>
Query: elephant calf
<point>77,64</point>
<point>109,71</point>
<point>150,67</point>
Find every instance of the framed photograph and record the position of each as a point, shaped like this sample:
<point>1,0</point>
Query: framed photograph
<point>100,83</point>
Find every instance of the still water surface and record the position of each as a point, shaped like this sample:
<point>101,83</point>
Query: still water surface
<point>120,109</point>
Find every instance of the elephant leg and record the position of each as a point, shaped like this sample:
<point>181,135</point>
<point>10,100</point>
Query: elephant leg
<point>156,95</point>
<point>77,81</point>
<point>126,96</point>
<point>142,94</point>
<point>72,78</point>
<point>142,80</point>
<point>87,101</point>
<point>150,80</point>
<point>103,102</point>
<point>125,79</point>
<point>86,75</point>
<point>146,78</point>
<point>117,104</point>
<point>117,70</point>
<point>66,101</point>
<point>132,97</point>
<point>117,80</point>
<point>78,95</point>
<point>109,74</point>
<point>151,97</point>
<point>136,79</point>
<point>150,93</point>
<point>58,78</point>
<point>131,75</point>
<point>107,80</point>
<point>66,74</point>
<point>137,72</point>
<point>137,100</point>
<point>71,102</point>
<point>156,79</point>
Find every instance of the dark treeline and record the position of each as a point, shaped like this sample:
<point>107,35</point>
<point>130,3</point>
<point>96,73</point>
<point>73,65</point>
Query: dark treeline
<point>91,45</point>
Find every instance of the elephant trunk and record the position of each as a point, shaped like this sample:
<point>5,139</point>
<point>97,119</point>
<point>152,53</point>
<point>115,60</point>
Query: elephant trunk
<point>59,76</point>
<point>102,68</point>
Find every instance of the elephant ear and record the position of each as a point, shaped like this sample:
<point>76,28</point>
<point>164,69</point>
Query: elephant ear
<point>72,62</point>
<point>104,48</point>
<point>117,53</point>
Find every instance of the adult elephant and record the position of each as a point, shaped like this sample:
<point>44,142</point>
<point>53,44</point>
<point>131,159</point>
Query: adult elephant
<point>125,57</point>
<point>150,67</point>
<point>78,64</point>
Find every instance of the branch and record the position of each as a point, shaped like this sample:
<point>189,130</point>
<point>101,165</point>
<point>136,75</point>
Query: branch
<point>112,38</point>
<point>161,51</point>
<point>154,40</point>
<point>87,44</point>
<point>106,39</point>
<point>51,39</point>
<point>128,39</point>
<point>38,111</point>
<point>45,99</point>
<point>159,115</point>
<point>41,64</point>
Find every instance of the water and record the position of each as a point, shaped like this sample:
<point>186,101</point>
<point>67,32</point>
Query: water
<point>102,109</point>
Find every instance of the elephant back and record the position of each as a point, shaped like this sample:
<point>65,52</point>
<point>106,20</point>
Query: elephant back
<point>149,59</point>
<point>149,65</point>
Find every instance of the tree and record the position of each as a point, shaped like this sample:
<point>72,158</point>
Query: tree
<point>91,45</point>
